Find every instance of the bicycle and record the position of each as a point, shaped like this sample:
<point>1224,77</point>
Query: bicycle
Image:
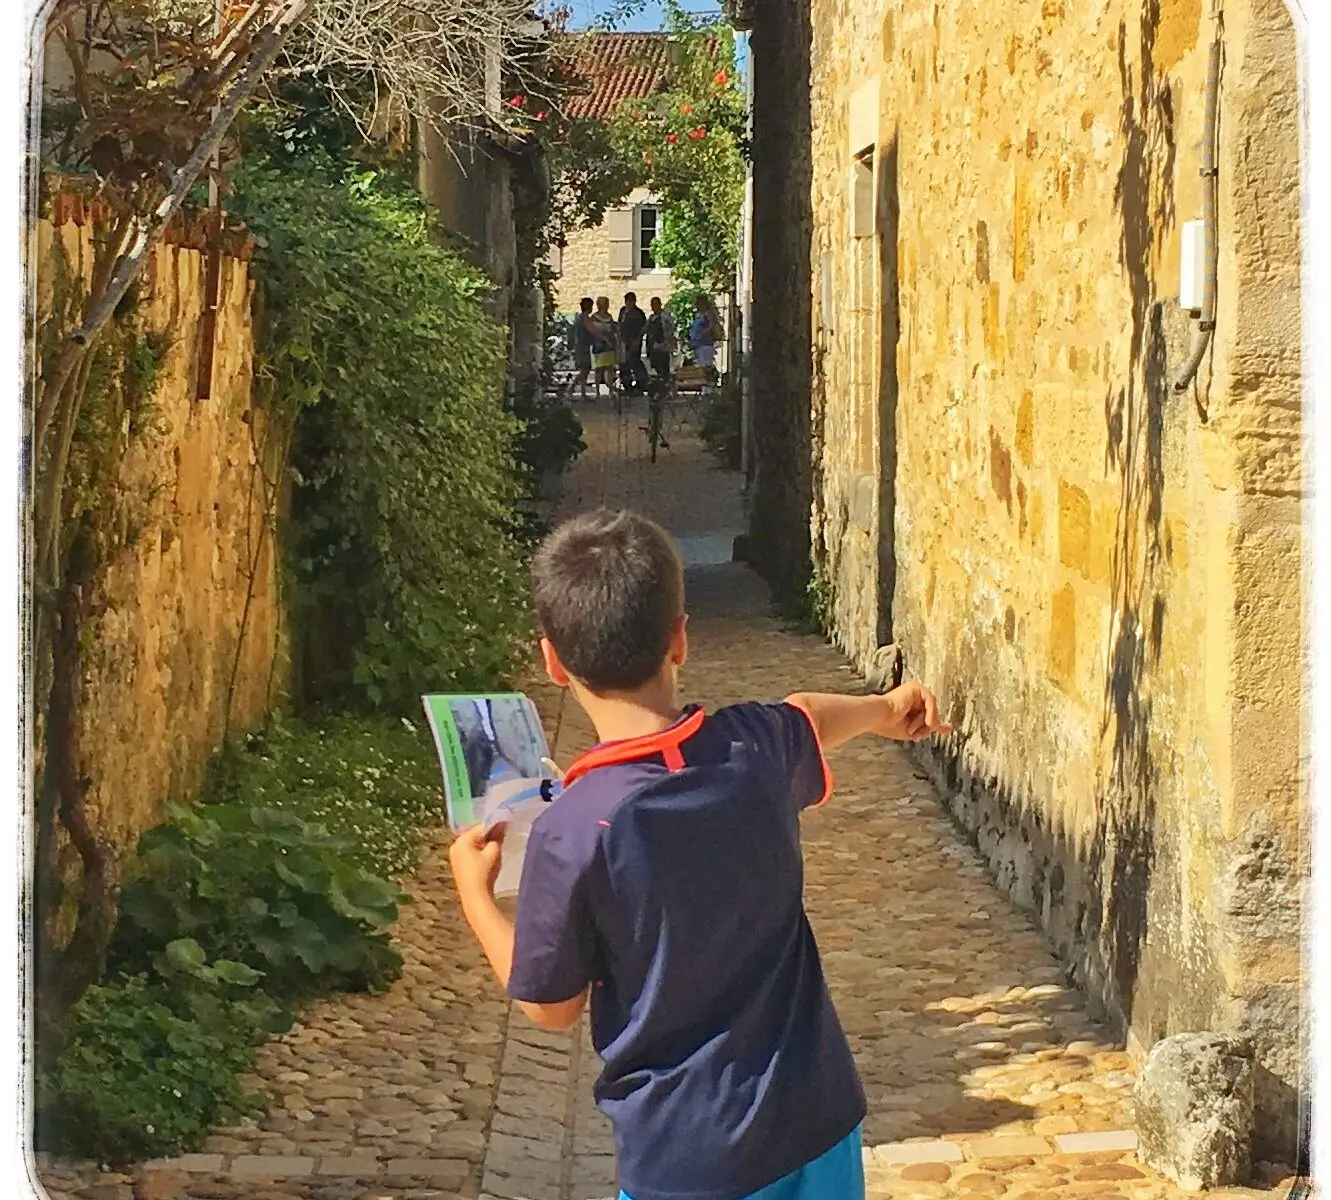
<point>659,395</point>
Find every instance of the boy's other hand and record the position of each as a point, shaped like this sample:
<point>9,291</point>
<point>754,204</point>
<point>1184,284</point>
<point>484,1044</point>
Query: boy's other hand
<point>476,857</point>
<point>912,714</point>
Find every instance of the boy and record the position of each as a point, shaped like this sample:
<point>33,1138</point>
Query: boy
<point>666,883</point>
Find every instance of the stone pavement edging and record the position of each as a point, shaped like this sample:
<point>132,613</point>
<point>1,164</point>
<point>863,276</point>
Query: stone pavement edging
<point>273,1166</point>
<point>945,1150</point>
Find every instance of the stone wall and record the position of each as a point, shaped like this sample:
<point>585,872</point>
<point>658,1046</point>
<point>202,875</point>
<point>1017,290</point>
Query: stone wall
<point>584,270</point>
<point>1100,575</point>
<point>473,186</point>
<point>189,640</point>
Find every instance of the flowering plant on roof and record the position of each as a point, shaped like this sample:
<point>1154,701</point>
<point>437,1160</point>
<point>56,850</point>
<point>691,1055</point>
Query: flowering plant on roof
<point>690,139</point>
<point>540,83</point>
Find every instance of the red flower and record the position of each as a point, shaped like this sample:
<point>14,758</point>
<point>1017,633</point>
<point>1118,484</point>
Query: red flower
<point>517,101</point>
<point>686,108</point>
<point>672,138</point>
<point>721,78</point>
<point>540,116</point>
<point>697,134</point>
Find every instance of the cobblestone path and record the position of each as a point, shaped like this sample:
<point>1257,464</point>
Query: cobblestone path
<point>985,1076</point>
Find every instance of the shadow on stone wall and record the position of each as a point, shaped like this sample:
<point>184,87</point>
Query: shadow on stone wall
<point>781,362</point>
<point>1122,857</point>
<point>887,210</point>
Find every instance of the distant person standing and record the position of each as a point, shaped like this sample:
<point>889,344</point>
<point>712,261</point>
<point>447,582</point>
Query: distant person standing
<point>582,347</point>
<point>704,334</point>
<point>632,325</point>
<point>662,339</point>
<point>605,344</point>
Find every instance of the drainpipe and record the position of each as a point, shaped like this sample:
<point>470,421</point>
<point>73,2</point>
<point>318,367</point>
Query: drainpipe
<point>1210,243</point>
<point>746,283</point>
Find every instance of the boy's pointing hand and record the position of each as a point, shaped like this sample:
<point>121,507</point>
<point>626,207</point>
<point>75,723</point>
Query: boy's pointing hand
<point>912,714</point>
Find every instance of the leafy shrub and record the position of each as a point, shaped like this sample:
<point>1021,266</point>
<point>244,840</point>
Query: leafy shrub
<point>137,1079</point>
<point>721,430</point>
<point>681,307</point>
<point>401,528</point>
<point>232,914</point>
<point>261,887</point>
<point>373,783</point>
<point>691,140</point>
<point>550,439</point>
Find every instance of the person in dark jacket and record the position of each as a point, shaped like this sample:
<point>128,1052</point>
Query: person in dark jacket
<point>632,326</point>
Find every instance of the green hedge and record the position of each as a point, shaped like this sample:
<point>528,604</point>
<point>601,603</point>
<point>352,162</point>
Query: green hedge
<point>401,535</point>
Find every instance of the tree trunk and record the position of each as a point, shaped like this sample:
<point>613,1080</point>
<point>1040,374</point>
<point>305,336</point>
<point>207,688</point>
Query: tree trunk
<point>63,973</point>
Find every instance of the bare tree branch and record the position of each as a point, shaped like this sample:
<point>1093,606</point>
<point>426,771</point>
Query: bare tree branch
<point>267,46</point>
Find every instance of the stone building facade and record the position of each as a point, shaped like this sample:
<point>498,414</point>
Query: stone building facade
<point>974,221</point>
<point>613,258</point>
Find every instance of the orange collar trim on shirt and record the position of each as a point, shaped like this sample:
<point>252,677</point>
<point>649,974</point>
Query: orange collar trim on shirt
<point>666,743</point>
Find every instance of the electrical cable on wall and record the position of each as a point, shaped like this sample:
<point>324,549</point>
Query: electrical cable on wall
<point>1210,192</point>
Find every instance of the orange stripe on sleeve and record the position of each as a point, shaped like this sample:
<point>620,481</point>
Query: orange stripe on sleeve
<point>822,756</point>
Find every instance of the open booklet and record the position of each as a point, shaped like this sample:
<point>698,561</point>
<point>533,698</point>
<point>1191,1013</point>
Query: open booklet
<point>497,769</point>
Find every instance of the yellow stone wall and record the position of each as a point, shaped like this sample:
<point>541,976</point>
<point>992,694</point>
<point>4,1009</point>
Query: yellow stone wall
<point>169,647</point>
<point>1102,577</point>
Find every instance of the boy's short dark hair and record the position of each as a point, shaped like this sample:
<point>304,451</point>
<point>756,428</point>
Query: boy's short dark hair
<point>586,304</point>
<point>609,588</point>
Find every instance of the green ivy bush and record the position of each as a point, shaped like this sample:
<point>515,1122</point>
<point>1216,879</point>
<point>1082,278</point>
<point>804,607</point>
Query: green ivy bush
<point>261,887</point>
<point>274,890</point>
<point>721,430</point>
<point>374,783</point>
<point>401,535</point>
<point>138,1079</point>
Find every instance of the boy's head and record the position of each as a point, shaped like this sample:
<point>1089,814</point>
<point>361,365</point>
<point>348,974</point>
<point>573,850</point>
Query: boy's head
<point>630,300</point>
<point>609,593</point>
<point>656,304</point>
<point>602,304</point>
<point>585,304</point>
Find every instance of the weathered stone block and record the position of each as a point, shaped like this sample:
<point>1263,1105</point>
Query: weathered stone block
<point>1195,1110</point>
<point>1074,527</point>
<point>1063,637</point>
<point>884,668</point>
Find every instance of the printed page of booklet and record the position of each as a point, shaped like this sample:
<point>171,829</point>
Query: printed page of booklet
<point>497,769</point>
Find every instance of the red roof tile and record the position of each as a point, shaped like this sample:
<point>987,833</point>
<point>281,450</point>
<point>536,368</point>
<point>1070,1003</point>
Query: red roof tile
<point>617,67</point>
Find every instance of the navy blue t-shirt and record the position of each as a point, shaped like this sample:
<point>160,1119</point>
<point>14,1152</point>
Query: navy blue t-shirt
<point>668,876</point>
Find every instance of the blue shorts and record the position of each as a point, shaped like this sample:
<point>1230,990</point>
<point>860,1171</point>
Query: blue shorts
<point>836,1175</point>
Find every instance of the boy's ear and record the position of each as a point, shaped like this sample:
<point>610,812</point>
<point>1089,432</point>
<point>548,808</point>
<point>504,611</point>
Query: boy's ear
<point>553,667</point>
<point>679,642</point>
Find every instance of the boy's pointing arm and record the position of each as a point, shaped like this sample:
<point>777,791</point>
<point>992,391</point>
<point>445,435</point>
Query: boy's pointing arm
<point>908,713</point>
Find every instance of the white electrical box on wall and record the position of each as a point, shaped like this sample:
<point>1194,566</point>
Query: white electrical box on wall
<point>1192,267</point>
